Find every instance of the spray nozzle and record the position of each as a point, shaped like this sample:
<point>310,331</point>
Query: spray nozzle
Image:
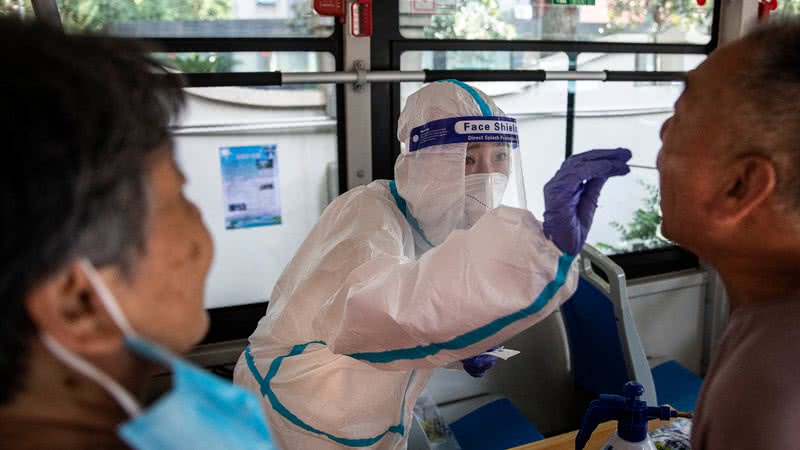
<point>630,413</point>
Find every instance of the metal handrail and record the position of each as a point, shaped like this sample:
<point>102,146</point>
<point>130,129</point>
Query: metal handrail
<point>425,76</point>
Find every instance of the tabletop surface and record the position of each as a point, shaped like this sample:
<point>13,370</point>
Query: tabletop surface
<point>599,437</point>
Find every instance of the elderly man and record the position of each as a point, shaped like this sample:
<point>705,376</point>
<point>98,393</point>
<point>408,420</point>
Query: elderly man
<point>730,186</point>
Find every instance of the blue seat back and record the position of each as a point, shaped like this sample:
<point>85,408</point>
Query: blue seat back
<point>605,348</point>
<point>596,354</point>
<point>495,426</point>
<point>677,386</point>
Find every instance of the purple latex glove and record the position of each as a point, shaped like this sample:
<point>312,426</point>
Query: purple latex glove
<point>570,198</point>
<point>477,366</point>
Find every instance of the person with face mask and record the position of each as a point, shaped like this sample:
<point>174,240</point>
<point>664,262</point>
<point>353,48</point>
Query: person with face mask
<point>104,258</point>
<point>200,410</point>
<point>400,277</point>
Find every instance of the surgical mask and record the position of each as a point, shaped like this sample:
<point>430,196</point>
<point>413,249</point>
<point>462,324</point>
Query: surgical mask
<point>482,192</point>
<point>201,411</point>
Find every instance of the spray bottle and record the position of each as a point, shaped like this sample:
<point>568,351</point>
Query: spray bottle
<point>631,415</point>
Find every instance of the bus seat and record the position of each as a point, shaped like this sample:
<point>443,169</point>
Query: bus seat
<point>478,418</point>
<point>605,348</point>
<point>676,385</point>
<point>497,425</point>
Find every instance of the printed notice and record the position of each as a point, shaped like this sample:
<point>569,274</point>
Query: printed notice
<point>251,186</point>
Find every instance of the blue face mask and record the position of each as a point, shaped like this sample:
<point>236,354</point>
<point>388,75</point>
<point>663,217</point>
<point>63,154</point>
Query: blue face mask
<point>201,411</point>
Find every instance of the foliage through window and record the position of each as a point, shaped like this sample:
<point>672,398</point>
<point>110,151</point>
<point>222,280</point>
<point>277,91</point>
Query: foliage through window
<point>194,18</point>
<point>643,232</point>
<point>655,21</point>
<point>16,8</point>
<point>787,8</point>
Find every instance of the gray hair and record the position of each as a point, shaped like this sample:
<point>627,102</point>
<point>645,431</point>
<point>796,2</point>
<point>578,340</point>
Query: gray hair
<point>90,116</point>
<point>770,102</point>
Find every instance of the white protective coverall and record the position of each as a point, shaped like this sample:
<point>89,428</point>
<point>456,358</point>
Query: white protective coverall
<point>369,306</point>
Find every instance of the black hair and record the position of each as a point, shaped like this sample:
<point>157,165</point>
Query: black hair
<point>81,121</point>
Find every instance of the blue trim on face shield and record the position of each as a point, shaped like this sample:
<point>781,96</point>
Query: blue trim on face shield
<point>465,130</point>
<point>479,334</point>
<point>403,207</point>
<point>485,110</point>
<point>280,408</point>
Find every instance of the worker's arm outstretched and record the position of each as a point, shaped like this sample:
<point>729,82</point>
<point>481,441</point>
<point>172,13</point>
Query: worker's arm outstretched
<point>474,291</point>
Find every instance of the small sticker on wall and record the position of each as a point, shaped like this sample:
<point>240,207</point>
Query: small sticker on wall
<point>251,186</point>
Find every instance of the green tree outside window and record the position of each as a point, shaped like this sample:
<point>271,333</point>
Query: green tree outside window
<point>16,8</point>
<point>643,232</point>
<point>95,15</point>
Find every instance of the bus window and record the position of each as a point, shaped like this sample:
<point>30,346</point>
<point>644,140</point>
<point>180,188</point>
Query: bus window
<point>16,8</point>
<point>258,213</point>
<point>637,21</point>
<point>786,8</point>
<point>627,114</point>
<point>222,62</point>
<point>192,19</point>
<point>257,217</point>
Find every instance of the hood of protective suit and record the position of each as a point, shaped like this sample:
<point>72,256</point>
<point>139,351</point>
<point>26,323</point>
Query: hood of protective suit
<point>430,172</point>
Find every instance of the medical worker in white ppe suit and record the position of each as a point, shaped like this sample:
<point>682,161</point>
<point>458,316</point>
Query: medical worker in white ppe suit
<point>401,277</point>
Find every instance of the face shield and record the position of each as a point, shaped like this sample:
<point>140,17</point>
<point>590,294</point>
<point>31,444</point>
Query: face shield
<point>459,160</point>
<point>491,160</point>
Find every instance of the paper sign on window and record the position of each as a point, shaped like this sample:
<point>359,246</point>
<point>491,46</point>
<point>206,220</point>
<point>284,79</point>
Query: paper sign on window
<point>250,180</point>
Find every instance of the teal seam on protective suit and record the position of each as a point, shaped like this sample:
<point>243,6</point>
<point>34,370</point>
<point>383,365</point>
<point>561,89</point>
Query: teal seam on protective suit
<point>478,334</point>
<point>472,337</point>
<point>401,204</point>
<point>485,110</point>
<point>280,408</point>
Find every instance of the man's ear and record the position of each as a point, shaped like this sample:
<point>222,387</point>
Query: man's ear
<point>66,307</point>
<point>748,182</point>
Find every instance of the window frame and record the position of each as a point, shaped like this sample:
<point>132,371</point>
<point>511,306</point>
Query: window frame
<point>237,322</point>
